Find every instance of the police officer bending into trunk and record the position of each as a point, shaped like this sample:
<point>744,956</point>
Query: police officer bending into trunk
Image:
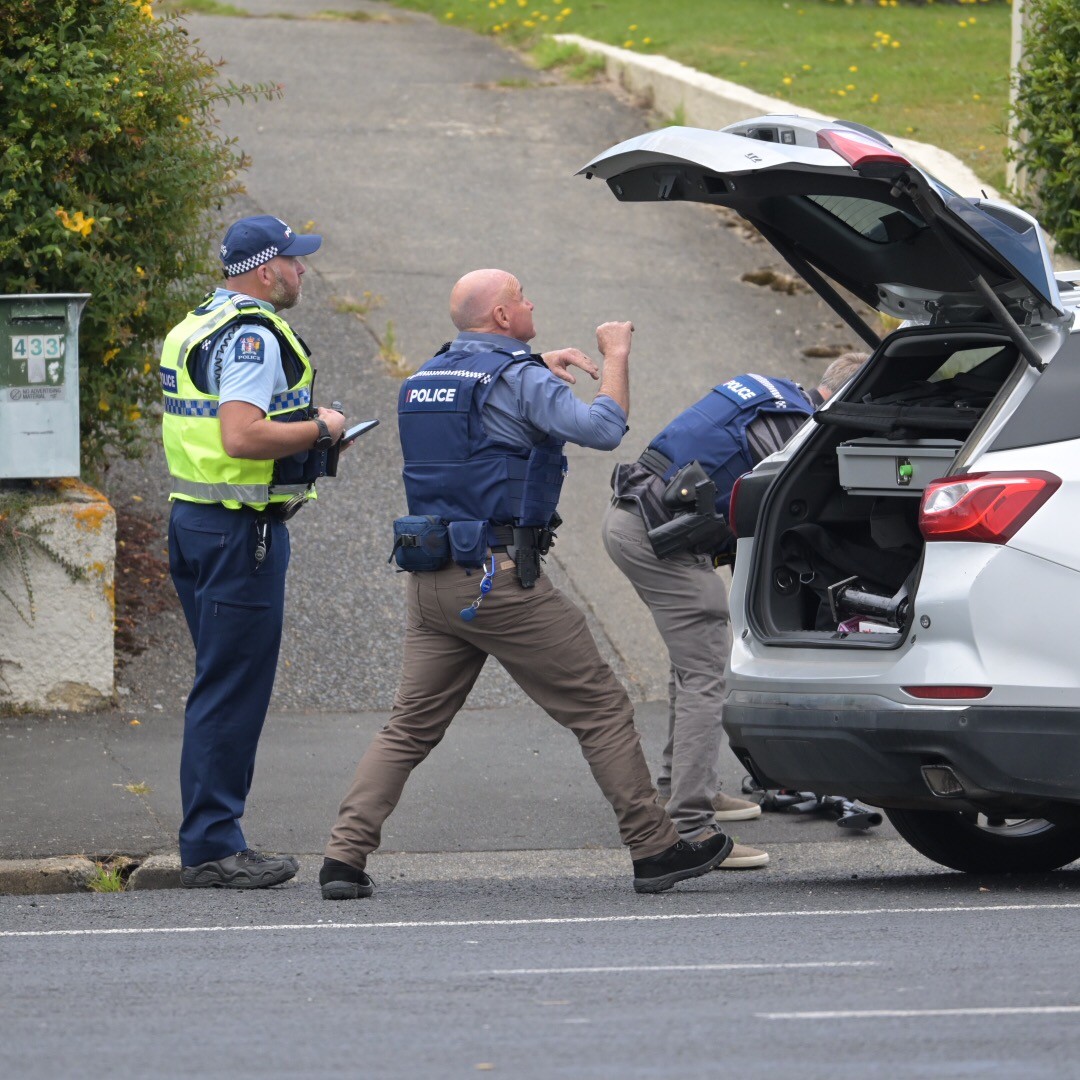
<point>482,429</point>
<point>244,447</point>
<point>665,530</point>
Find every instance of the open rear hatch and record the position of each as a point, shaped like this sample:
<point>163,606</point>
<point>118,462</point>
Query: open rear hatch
<point>838,203</point>
<point>837,543</point>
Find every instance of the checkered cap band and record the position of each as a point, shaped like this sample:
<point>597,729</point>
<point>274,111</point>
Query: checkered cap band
<point>242,267</point>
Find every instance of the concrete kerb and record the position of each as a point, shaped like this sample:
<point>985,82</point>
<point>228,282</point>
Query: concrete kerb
<point>38,877</point>
<point>705,101</point>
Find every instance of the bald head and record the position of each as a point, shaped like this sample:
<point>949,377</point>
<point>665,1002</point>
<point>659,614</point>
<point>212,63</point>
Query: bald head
<point>475,297</point>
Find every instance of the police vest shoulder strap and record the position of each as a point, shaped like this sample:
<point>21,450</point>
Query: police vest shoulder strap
<point>654,461</point>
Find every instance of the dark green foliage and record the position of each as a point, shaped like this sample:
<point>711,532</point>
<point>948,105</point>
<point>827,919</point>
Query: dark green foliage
<point>1046,115</point>
<point>111,167</point>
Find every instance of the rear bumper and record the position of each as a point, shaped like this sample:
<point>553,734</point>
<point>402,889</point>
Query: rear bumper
<point>873,749</point>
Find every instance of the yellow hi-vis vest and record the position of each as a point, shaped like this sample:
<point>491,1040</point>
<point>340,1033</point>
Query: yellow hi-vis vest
<point>202,472</point>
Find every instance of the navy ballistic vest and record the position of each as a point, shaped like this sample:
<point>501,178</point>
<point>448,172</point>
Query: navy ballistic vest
<point>453,470</point>
<point>712,431</point>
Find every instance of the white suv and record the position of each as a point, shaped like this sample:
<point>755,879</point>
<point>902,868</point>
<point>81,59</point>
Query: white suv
<point>907,583</point>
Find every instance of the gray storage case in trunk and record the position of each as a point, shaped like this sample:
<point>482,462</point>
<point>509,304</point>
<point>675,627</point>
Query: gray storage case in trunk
<point>887,467</point>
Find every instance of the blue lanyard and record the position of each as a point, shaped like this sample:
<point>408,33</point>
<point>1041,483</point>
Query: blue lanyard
<point>486,582</point>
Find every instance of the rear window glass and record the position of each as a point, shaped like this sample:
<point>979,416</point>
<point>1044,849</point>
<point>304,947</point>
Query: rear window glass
<point>962,361</point>
<point>876,221</point>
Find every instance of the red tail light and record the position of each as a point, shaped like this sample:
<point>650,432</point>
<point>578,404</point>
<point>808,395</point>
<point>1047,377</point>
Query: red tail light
<point>858,151</point>
<point>984,508</point>
<point>949,693</point>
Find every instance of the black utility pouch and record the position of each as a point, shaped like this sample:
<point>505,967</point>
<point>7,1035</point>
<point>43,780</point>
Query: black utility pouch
<point>468,543</point>
<point>420,543</point>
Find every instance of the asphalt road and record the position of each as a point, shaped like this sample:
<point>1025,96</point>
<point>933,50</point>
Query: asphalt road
<point>550,975</point>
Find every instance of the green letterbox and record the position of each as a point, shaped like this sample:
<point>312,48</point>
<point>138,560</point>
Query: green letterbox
<point>39,385</point>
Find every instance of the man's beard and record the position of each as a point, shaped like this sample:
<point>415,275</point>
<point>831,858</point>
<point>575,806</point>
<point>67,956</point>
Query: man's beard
<point>282,297</point>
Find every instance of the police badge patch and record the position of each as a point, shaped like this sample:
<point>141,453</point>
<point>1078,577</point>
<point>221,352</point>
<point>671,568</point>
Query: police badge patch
<point>248,349</point>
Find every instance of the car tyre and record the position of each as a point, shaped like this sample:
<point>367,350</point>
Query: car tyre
<point>976,846</point>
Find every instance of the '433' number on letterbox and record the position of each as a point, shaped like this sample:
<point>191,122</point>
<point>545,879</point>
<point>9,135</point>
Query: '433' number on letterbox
<point>41,353</point>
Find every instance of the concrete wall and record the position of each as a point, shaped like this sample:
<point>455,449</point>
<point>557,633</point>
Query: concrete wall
<point>56,643</point>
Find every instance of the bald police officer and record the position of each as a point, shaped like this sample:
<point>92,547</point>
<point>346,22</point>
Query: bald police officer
<point>482,426</point>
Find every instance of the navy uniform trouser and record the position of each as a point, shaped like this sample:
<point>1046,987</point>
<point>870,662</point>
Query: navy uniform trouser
<point>234,610</point>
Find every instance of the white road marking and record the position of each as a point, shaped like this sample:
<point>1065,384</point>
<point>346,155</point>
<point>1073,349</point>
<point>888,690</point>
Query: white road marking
<point>562,921</point>
<point>680,967</point>
<point>888,1014</point>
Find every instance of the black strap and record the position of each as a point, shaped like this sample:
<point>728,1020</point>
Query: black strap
<point>654,461</point>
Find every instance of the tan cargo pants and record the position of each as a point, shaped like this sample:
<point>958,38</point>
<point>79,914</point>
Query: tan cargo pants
<point>543,642</point>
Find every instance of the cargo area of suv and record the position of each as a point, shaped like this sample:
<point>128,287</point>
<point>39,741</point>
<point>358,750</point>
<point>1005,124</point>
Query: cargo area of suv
<point>839,550</point>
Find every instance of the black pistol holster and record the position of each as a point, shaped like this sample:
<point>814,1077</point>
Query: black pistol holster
<point>528,546</point>
<point>696,526</point>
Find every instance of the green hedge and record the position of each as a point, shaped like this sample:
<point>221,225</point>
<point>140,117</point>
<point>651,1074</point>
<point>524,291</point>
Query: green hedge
<point>111,165</point>
<point>1046,115</point>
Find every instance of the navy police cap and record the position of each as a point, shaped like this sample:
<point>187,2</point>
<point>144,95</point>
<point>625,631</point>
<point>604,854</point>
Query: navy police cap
<point>252,241</point>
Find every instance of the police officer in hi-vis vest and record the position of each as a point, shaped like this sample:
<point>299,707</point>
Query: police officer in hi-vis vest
<point>244,447</point>
<point>669,550</point>
<point>482,428</point>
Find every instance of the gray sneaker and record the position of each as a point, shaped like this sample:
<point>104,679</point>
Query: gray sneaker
<point>246,869</point>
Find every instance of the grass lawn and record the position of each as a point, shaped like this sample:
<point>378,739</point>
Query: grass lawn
<point>937,72</point>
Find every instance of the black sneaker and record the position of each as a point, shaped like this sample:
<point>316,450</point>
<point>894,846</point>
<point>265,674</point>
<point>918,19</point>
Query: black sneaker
<point>246,869</point>
<point>340,881</point>
<point>686,859</point>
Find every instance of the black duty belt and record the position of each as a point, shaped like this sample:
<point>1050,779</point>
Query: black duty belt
<point>503,537</point>
<point>654,461</point>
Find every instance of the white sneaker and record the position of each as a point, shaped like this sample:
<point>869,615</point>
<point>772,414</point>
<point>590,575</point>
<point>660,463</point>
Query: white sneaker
<point>729,808</point>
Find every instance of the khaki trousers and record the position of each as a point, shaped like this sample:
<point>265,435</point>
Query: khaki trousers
<point>688,601</point>
<point>543,642</point>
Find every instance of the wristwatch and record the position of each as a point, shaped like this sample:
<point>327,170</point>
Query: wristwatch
<point>325,439</point>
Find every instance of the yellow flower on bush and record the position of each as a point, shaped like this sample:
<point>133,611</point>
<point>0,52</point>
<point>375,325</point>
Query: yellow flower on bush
<point>184,120</point>
<point>134,414</point>
<point>77,222</point>
<point>110,355</point>
<point>103,405</point>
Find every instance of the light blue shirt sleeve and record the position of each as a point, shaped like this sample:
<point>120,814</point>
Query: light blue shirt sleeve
<point>548,406</point>
<point>250,367</point>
